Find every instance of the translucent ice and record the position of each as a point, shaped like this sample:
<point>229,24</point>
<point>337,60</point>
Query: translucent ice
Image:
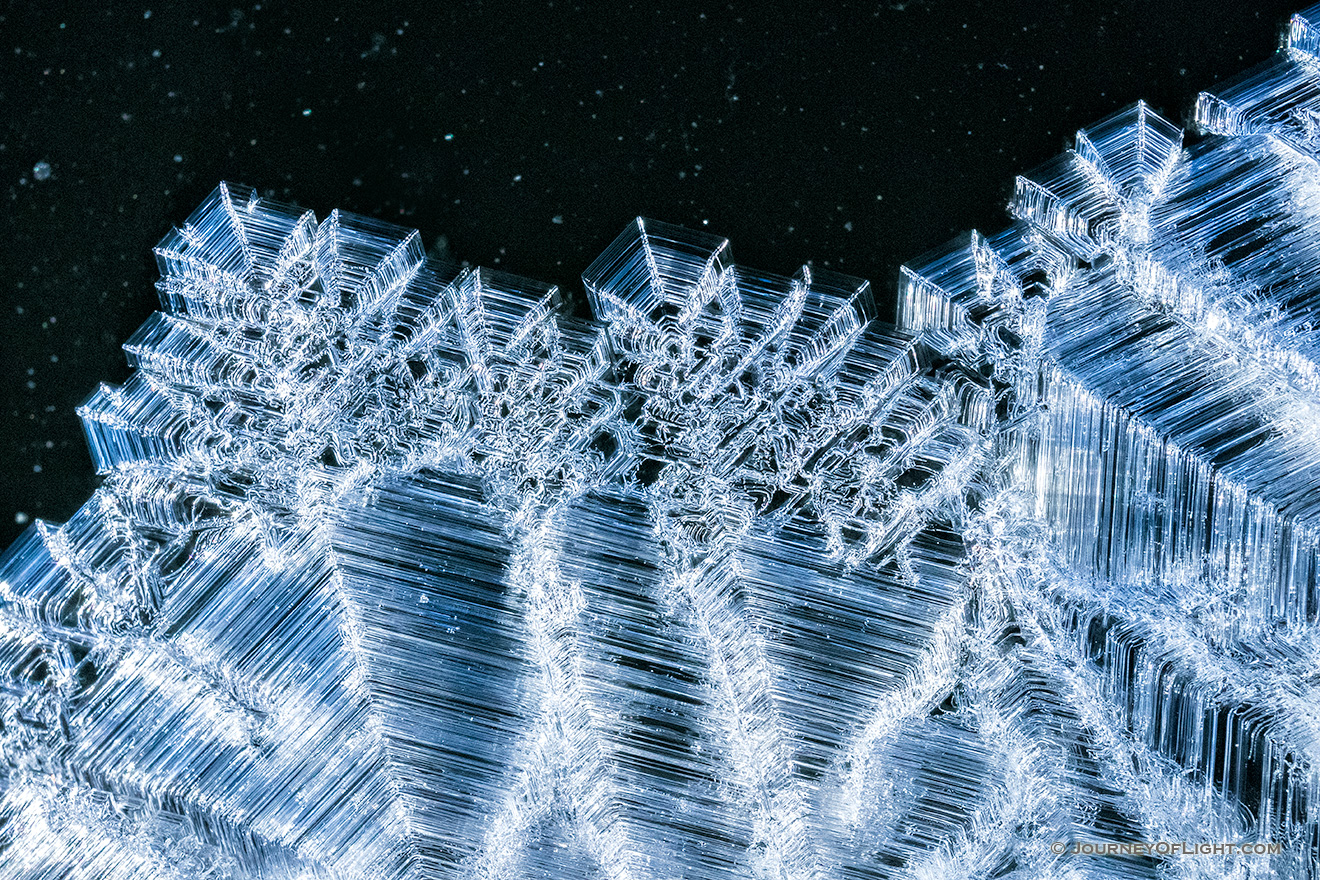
<point>401,571</point>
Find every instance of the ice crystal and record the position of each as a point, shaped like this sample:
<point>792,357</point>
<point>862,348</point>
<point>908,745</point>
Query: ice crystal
<point>401,571</point>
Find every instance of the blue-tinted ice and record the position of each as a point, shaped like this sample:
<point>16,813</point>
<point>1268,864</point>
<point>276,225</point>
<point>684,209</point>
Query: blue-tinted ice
<point>402,571</point>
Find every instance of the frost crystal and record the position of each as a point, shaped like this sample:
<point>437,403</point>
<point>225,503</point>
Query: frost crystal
<point>399,571</point>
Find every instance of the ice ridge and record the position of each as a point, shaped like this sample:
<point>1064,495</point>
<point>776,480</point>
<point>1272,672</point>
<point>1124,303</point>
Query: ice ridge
<point>401,571</point>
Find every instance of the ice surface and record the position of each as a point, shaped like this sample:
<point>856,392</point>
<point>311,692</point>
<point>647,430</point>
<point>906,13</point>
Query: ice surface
<point>402,571</point>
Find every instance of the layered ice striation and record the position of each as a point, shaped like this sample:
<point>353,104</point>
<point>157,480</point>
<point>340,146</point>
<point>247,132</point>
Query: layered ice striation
<point>402,571</point>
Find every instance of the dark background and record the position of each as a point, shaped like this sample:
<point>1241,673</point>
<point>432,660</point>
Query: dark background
<point>854,135</point>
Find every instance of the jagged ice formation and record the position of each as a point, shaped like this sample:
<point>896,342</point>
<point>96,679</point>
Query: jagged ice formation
<point>400,571</point>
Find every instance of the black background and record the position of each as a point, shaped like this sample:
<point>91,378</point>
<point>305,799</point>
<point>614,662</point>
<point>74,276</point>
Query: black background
<point>852,135</point>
